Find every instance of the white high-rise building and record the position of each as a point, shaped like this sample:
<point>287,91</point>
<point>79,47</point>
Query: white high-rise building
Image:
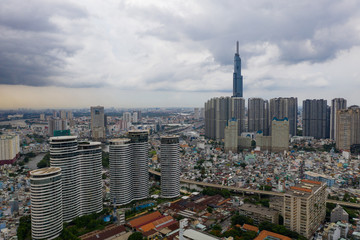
<point>46,203</point>
<point>64,154</point>
<point>170,166</point>
<point>90,177</point>
<point>129,176</point>
<point>140,163</point>
<point>135,117</point>
<point>120,156</point>
<point>127,117</point>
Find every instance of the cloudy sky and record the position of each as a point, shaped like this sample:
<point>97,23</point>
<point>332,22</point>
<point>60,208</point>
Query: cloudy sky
<point>69,54</point>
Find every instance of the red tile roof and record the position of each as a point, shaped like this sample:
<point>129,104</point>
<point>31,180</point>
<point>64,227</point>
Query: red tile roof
<point>250,227</point>
<point>310,181</point>
<point>301,189</point>
<point>138,222</point>
<point>264,234</point>
<point>108,232</point>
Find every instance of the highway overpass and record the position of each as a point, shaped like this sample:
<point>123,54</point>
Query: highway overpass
<point>251,191</point>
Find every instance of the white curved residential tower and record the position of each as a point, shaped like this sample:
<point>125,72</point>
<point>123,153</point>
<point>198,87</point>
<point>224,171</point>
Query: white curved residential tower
<point>64,154</point>
<point>170,166</point>
<point>90,177</point>
<point>46,203</point>
<point>121,184</point>
<point>140,166</point>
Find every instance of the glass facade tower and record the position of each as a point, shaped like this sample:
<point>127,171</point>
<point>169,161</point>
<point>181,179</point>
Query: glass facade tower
<point>237,78</point>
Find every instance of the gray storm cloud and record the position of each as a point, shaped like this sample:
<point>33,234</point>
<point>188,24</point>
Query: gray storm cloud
<point>182,46</point>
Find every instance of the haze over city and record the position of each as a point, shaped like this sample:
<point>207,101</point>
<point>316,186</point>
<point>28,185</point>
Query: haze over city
<point>67,54</point>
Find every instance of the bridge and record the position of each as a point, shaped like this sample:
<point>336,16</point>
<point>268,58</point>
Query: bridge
<point>251,191</point>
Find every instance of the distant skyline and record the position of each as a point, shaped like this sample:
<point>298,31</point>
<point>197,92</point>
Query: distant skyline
<point>129,54</point>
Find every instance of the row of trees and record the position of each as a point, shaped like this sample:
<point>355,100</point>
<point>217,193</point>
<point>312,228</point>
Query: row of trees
<point>79,226</point>
<point>216,191</point>
<point>45,162</point>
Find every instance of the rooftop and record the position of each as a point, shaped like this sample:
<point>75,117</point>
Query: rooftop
<point>108,232</point>
<point>250,228</point>
<point>140,221</point>
<point>60,138</point>
<point>45,171</point>
<point>257,209</point>
<point>119,141</point>
<point>270,235</point>
<point>306,188</point>
<point>193,234</point>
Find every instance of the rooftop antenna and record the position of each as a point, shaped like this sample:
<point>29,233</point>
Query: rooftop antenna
<point>237,47</point>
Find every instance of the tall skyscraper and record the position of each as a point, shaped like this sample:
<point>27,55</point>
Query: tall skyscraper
<point>315,118</point>
<point>347,127</point>
<point>46,203</point>
<point>258,115</point>
<point>170,166</point>
<point>140,166</point>
<point>64,154</point>
<point>285,108</point>
<point>81,175</point>
<point>129,176</point>
<point>218,111</point>
<point>121,184</point>
<point>98,132</point>
<point>90,177</point>
<point>336,104</point>
<point>237,77</point>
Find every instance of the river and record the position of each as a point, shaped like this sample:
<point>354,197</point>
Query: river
<point>32,164</point>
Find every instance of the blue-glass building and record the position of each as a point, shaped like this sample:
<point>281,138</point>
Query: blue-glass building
<point>237,78</point>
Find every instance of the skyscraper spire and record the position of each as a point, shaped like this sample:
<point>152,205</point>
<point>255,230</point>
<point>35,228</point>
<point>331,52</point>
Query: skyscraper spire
<point>237,77</point>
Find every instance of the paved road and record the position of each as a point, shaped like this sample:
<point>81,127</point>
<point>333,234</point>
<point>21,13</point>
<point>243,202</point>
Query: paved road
<point>251,191</point>
<point>32,164</point>
<point>204,184</point>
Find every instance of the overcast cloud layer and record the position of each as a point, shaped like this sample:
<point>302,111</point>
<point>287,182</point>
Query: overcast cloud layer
<point>175,53</point>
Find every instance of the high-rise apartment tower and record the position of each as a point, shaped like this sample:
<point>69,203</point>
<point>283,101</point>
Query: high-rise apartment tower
<point>336,105</point>
<point>46,203</point>
<point>305,207</point>
<point>121,183</point>
<point>140,166</point>
<point>81,175</point>
<point>90,156</point>
<point>316,118</point>
<point>170,166</point>
<point>347,127</point>
<point>258,115</point>
<point>64,154</point>
<point>285,108</point>
<point>218,111</point>
<point>129,176</point>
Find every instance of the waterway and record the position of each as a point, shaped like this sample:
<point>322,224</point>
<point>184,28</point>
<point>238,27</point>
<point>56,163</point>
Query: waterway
<point>32,164</point>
